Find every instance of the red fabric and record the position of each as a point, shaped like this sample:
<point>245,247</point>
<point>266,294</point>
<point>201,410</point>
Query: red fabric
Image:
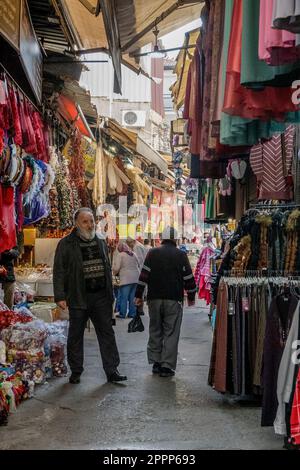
<point>204,290</point>
<point>31,145</point>
<point>4,112</point>
<point>16,123</point>
<point>7,220</point>
<point>38,127</point>
<point>19,210</point>
<point>1,140</point>
<point>295,415</point>
<point>240,101</point>
<point>47,143</point>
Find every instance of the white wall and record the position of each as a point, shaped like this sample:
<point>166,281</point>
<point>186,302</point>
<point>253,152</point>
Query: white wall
<point>99,80</point>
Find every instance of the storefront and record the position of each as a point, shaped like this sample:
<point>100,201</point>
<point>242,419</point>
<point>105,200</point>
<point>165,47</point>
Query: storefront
<point>241,125</point>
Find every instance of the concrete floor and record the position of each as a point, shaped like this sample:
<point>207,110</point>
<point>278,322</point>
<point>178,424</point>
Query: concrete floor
<point>148,412</point>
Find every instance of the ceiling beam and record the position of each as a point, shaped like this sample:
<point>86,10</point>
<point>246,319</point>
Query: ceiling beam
<point>157,20</point>
<point>88,6</point>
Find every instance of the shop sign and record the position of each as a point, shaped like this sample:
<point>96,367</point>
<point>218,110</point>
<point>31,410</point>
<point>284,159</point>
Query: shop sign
<point>10,21</point>
<point>30,52</point>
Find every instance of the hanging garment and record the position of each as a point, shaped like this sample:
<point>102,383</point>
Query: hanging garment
<point>256,73</point>
<point>275,47</point>
<point>17,130</point>
<point>286,15</point>
<point>272,162</point>
<point>295,415</point>
<point>4,106</point>
<point>286,376</point>
<point>218,362</point>
<point>263,103</point>
<point>235,130</point>
<point>279,321</point>
<point>7,218</point>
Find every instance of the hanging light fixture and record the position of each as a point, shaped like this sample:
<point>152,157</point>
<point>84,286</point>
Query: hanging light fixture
<point>157,53</point>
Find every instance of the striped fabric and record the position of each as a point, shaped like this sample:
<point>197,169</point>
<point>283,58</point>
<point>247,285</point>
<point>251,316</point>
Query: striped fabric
<point>295,415</point>
<point>267,163</point>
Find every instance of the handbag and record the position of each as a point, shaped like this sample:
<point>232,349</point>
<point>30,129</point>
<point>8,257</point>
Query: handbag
<point>136,324</point>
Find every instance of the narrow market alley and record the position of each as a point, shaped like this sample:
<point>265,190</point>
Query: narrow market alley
<point>148,412</point>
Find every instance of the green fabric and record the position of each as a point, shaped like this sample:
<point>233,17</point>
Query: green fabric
<point>237,131</point>
<point>210,207</point>
<point>255,72</point>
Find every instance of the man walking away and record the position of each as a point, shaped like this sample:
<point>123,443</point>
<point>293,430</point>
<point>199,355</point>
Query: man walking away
<point>167,273</point>
<point>82,281</point>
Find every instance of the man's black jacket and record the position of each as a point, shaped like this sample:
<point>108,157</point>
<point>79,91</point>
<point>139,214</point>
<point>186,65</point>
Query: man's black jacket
<point>167,273</point>
<point>68,278</point>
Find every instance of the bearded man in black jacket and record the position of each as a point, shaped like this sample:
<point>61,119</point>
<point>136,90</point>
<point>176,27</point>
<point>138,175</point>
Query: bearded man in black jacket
<point>82,281</point>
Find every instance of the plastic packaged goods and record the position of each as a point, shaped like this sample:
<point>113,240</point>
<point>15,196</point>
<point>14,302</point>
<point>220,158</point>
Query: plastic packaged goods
<point>3,307</point>
<point>9,317</point>
<point>34,368</point>
<point>2,352</point>
<point>25,313</point>
<point>58,355</point>
<point>47,361</point>
<point>58,327</point>
<point>25,336</point>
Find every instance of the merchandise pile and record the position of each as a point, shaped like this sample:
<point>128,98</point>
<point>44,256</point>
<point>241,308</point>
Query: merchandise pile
<point>31,352</point>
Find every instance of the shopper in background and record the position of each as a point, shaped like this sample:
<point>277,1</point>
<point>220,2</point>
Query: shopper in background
<point>141,250</point>
<point>7,259</point>
<point>167,273</point>
<point>82,282</point>
<point>183,246</point>
<point>127,266</point>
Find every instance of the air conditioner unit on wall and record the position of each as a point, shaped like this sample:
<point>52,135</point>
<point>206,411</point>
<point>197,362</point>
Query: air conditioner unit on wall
<point>133,118</point>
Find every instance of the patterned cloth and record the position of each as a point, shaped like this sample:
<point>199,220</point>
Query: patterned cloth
<point>93,266</point>
<point>271,162</point>
<point>295,416</point>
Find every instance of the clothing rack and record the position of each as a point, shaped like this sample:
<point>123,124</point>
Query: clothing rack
<point>259,281</point>
<point>6,72</point>
<point>261,273</point>
<point>274,206</point>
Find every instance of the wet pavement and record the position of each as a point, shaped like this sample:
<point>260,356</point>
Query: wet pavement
<point>149,412</point>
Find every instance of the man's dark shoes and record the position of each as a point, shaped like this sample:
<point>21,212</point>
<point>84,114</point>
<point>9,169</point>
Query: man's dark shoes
<point>156,369</point>
<point>166,372</point>
<point>116,377</point>
<point>74,379</point>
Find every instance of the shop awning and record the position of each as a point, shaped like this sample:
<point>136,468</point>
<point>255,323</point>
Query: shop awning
<point>181,70</point>
<point>122,135</point>
<point>124,26</point>
<point>135,143</point>
<point>151,155</point>
<point>73,114</point>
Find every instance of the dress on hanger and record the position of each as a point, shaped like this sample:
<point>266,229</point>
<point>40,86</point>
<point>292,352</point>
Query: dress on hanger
<point>276,47</point>
<point>263,103</point>
<point>235,130</point>
<point>286,15</point>
<point>203,273</point>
